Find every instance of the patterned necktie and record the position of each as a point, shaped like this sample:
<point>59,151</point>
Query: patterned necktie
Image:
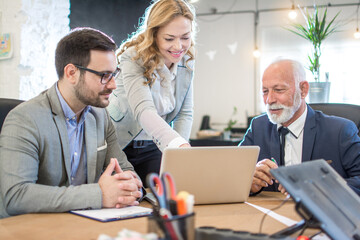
<point>282,133</point>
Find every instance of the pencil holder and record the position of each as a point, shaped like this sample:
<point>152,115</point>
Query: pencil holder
<point>183,225</point>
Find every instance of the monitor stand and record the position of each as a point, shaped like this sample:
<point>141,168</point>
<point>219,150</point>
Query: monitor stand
<point>308,221</point>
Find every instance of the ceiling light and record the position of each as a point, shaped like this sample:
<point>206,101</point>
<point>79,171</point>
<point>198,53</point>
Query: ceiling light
<point>357,34</point>
<point>292,13</point>
<point>257,53</point>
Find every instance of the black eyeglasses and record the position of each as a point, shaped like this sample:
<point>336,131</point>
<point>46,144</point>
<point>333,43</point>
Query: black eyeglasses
<point>105,77</point>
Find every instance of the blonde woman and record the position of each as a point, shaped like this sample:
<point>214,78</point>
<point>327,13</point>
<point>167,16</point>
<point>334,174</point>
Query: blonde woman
<point>152,107</point>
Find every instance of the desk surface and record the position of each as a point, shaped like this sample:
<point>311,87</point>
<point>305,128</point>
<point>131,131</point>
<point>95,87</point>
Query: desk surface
<point>240,216</point>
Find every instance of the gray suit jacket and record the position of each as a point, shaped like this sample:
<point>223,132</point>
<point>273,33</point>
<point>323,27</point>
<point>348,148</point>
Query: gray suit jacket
<point>132,97</point>
<point>35,159</point>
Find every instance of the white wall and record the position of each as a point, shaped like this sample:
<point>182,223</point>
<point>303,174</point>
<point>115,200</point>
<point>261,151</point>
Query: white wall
<point>223,72</point>
<point>11,20</point>
<point>224,69</point>
<point>36,27</point>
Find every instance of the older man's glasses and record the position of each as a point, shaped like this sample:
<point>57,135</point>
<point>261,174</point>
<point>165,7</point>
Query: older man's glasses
<point>105,77</point>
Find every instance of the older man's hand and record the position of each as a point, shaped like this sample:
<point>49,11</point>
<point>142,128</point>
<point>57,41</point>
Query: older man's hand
<point>262,176</point>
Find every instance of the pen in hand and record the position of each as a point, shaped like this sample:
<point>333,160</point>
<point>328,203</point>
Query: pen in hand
<point>273,159</point>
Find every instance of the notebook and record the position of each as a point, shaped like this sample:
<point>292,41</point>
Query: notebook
<point>212,174</point>
<point>113,214</point>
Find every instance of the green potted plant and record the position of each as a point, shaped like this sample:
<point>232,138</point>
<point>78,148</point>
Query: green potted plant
<point>230,124</point>
<point>316,30</point>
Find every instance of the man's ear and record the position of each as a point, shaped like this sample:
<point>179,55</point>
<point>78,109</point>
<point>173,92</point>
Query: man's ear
<point>304,87</point>
<point>71,73</point>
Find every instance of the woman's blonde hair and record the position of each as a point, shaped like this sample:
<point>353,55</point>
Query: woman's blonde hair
<point>157,15</point>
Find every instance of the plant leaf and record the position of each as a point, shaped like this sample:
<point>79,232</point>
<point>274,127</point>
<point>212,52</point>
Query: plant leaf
<point>315,30</point>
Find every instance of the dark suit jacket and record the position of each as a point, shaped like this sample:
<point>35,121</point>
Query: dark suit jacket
<point>325,137</point>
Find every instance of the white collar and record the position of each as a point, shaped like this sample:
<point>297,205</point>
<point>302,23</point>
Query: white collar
<point>298,125</point>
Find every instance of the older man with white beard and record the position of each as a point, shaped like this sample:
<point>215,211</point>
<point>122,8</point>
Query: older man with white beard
<point>305,134</point>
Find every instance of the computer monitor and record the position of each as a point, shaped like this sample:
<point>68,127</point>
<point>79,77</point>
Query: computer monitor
<point>323,197</point>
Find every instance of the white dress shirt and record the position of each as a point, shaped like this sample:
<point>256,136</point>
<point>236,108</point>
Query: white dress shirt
<point>294,140</point>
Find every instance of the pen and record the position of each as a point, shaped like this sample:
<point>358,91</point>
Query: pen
<point>173,206</point>
<point>273,159</point>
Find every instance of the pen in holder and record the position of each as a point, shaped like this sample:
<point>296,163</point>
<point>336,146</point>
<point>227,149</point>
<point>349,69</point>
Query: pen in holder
<point>177,227</point>
<point>173,216</point>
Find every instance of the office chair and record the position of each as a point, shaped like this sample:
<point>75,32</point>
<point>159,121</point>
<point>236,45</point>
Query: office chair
<point>205,123</point>
<point>349,111</point>
<point>6,104</point>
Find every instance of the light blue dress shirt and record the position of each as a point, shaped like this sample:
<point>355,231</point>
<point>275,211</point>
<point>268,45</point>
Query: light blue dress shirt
<point>77,146</point>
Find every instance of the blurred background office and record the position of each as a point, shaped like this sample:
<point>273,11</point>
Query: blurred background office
<point>228,71</point>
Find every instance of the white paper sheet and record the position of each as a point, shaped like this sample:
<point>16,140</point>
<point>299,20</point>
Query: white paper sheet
<point>278,217</point>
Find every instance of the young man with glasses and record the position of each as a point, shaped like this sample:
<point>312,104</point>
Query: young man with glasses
<point>59,150</point>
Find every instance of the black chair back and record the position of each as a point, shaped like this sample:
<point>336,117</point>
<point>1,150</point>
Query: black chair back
<point>349,111</point>
<point>205,123</point>
<point>6,104</point>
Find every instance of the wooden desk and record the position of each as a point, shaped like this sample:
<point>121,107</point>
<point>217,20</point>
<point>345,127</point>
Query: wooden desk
<point>69,226</point>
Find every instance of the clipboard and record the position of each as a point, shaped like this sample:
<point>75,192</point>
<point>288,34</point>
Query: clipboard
<point>114,214</point>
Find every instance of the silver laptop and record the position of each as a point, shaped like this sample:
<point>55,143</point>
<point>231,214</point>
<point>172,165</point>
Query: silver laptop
<point>212,174</point>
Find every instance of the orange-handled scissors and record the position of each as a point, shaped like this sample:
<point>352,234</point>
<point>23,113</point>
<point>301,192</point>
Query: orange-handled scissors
<point>154,182</point>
